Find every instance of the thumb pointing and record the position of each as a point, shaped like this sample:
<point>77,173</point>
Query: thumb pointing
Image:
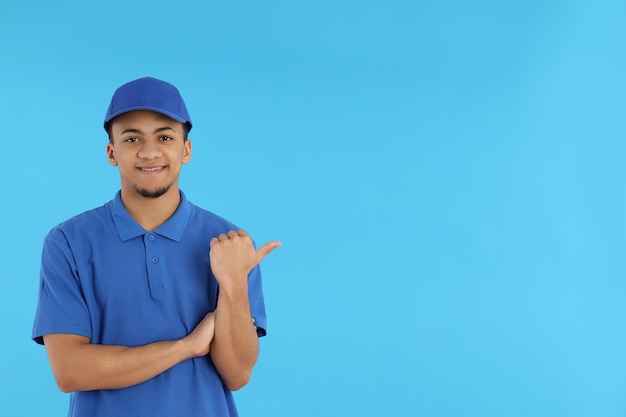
<point>264,250</point>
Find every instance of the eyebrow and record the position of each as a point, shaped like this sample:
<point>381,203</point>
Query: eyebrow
<point>161,129</point>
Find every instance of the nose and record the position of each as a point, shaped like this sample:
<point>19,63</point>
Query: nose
<point>149,150</point>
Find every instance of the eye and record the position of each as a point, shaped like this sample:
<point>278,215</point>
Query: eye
<point>166,138</point>
<point>131,140</point>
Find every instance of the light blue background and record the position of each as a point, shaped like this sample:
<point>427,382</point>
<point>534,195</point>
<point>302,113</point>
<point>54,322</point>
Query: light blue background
<point>446,177</point>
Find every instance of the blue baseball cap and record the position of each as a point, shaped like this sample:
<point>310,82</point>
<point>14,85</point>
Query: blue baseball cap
<point>148,94</point>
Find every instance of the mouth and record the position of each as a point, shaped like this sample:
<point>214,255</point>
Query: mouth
<point>151,169</point>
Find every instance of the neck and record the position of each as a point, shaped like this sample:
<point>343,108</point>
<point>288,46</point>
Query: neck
<point>151,213</point>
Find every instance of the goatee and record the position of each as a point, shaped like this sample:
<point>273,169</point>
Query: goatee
<point>152,193</point>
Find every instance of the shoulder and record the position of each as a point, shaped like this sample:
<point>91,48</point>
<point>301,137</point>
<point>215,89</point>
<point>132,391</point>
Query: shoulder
<point>93,220</point>
<point>207,219</point>
<point>208,224</point>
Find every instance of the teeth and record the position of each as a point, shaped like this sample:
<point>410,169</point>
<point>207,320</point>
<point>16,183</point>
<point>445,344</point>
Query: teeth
<point>151,169</point>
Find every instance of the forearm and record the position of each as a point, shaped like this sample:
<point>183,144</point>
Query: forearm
<point>80,366</point>
<point>235,346</point>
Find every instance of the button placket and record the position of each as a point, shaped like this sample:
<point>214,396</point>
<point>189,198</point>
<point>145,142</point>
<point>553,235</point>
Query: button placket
<point>152,263</point>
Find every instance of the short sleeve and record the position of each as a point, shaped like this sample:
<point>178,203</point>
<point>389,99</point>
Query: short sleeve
<point>61,307</point>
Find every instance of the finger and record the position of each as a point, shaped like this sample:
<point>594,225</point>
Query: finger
<point>264,250</point>
<point>213,241</point>
<point>242,233</point>
<point>222,237</point>
<point>232,234</point>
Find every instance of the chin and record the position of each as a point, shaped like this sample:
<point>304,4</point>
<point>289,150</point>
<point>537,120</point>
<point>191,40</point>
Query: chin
<point>153,193</point>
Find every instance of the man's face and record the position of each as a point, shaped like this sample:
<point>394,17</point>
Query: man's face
<point>149,149</point>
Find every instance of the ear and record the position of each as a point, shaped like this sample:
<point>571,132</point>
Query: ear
<point>111,155</point>
<point>187,151</point>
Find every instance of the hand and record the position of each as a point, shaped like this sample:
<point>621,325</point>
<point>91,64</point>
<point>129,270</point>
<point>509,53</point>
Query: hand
<point>233,255</point>
<point>200,338</point>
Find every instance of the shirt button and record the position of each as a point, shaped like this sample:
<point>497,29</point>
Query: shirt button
<point>155,260</point>
<point>151,237</point>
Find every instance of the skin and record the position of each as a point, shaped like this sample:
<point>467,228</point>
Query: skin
<point>149,150</point>
<point>235,347</point>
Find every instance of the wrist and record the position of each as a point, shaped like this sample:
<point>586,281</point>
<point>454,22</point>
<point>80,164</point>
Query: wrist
<point>233,285</point>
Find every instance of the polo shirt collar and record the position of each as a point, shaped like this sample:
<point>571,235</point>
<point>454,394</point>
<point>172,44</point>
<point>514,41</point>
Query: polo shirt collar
<point>128,228</point>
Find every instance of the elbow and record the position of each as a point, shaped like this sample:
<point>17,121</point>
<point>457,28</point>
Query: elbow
<point>65,389</point>
<point>64,353</point>
<point>65,383</point>
<point>237,382</point>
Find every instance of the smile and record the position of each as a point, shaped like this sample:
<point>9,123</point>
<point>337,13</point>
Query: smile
<point>151,169</point>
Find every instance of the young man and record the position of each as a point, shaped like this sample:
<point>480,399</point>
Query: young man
<point>150,305</point>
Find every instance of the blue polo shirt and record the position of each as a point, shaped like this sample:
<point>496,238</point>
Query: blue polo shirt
<point>104,277</point>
